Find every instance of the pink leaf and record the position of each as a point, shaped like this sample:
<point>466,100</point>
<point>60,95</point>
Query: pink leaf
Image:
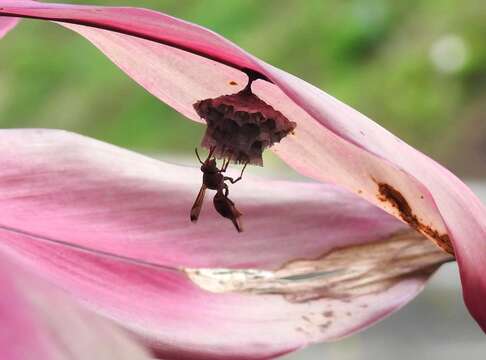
<point>112,228</point>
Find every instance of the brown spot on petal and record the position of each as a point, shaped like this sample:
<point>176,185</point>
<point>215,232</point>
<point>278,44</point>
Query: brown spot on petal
<point>328,314</point>
<point>306,318</point>
<point>325,326</point>
<point>388,193</point>
<point>232,82</point>
<point>241,126</point>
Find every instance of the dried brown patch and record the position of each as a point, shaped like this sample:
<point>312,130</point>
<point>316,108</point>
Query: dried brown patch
<point>388,193</point>
<point>342,275</point>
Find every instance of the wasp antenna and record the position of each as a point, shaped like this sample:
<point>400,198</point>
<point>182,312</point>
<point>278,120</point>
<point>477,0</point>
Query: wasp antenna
<point>197,154</point>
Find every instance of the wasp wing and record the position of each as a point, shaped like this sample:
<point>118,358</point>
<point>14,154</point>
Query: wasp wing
<point>196,208</point>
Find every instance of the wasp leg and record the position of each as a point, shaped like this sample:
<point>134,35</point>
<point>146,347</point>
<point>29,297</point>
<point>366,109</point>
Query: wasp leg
<point>226,190</point>
<point>211,151</point>
<point>225,164</point>
<point>233,181</point>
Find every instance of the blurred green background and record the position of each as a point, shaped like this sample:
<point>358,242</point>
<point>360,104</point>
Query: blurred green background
<point>416,67</point>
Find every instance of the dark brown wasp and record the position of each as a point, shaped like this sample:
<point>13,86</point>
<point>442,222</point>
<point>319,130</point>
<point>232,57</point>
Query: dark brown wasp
<point>214,179</point>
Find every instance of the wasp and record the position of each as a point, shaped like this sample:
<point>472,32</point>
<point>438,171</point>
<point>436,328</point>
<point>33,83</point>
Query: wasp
<point>214,179</point>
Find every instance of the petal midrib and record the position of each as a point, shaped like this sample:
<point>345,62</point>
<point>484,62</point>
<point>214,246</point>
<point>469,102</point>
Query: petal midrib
<point>256,73</point>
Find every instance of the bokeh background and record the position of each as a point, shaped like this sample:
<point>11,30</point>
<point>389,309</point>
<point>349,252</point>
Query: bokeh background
<point>416,67</point>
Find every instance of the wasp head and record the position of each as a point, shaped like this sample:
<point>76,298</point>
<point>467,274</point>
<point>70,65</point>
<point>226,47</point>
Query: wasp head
<point>209,166</point>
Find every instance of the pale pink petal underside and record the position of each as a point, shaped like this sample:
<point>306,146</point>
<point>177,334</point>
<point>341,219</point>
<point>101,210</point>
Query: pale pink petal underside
<point>7,24</point>
<point>41,322</point>
<point>315,262</point>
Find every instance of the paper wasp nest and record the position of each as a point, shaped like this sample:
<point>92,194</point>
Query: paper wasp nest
<point>241,126</point>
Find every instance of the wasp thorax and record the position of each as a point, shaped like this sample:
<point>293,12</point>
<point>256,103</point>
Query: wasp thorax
<point>241,126</point>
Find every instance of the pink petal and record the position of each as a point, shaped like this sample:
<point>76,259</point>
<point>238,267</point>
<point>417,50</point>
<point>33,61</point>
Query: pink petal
<point>41,322</point>
<point>314,263</point>
<point>142,23</point>
<point>130,205</point>
<point>368,155</point>
<point>332,143</point>
<point>20,334</point>
<point>7,24</point>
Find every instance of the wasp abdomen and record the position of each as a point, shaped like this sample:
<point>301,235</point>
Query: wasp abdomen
<point>226,208</point>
